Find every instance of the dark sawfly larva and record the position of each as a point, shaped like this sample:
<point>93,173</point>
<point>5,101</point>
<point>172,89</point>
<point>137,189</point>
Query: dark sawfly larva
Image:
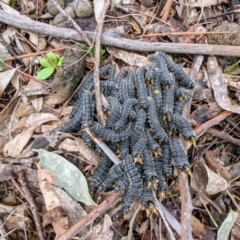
<point>178,107</point>
<point>141,88</point>
<point>108,85</point>
<point>115,112</point>
<point>168,101</point>
<point>154,123</point>
<point>88,84</point>
<point>99,131</point>
<point>184,127</point>
<point>139,146</point>
<point>78,105</point>
<point>87,138</point>
<point>101,171</point>
<point>122,183</point>
<point>153,145</point>
<point>157,96</point>
<point>123,91</point>
<point>126,108</point>
<point>74,124</point>
<point>179,155</point>
<point>150,75</point>
<point>162,185</point>
<point>179,73</point>
<point>124,148</point>
<point>114,173</point>
<point>136,184</point>
<point>166,160</point>
<point>146,198</point>
<point>121,75</point>
<point>130,83</point>
<point>88,111</point>
<point>148,166</point>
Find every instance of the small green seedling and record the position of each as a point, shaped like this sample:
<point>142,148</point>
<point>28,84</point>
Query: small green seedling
<point>48,69</point>
<point>231,67</point>
<point>1,66</point>
<point>92,51</point>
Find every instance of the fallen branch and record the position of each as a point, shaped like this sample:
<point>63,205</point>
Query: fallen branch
<point>95,213</point>
<point>97,63</point>
<point>32,204</point>
<point>113,38</point>
<point>210,123</point>
<point>84,35</point>
<point>224,136</point>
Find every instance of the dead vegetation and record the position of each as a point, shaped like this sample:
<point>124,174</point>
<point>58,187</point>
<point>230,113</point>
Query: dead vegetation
<point>44,176</point>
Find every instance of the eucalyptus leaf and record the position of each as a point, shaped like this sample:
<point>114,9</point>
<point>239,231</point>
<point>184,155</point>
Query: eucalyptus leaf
<point>45,73</point>
<point>52,56</point>
<point>66,176</point>
<point>227,225</point>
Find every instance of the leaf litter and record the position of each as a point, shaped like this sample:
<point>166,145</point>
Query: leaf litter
<point>29,111</point>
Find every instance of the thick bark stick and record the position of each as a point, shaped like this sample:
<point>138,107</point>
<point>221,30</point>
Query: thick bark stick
<point>114,39</point>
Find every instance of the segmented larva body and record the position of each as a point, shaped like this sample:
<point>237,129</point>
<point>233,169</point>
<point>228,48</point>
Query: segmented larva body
<point>168,101</point>
<point>153,121</point>
<point>162,74</point>
<point>152,143</point>
<point>150,91</point>
<point>88,84</point>
<point>108,85</point>
<point>179,155</point>
<point>101,171</point>
<point>88,111</point>
<point>126,108</point>
<point>183,127</point>
<point>141,88</point>
<point>146,198</point>
<point>181,76</point>
<point>181,92</point>
<point>157,96</point>
<point>130,83</point>
<point>124,148</point>
<point>78,105</point>
<point>121,75</point>
<point>150,75</point>
<point>166,160</point>
<point>139,146</point>
<point>123,92</point>
<point>99,131</point>
<point>178,107</point>
<point>74,124</point>
<point>87,138</point>
<point>122,183</point>
<point>111,78</point>
<point>115,113</point>
<point>148,166</point>
<point>114,173</point>
<point>136,184</point>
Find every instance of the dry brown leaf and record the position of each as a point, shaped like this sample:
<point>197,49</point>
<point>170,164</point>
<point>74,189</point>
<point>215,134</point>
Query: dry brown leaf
<point>37,103</point>
<point>6,78</point>
<point>51,200</point>
<point>204,180</point>
<point>219,86</point>
<point>34,88</point>
<point>98,7</point>
<point>232,80</point>
<point>15,147</point>
<point>130,58</point>
<point>78,145</point>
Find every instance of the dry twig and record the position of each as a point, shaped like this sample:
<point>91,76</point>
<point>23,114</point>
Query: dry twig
<point>97,63</point>
<point>113,38</point>
<point>32,204</point>
<point>101,208</point>
<point>166,10</point>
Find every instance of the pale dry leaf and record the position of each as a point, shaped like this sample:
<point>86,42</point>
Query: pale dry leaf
<point>78,145</point>
<point>204,180</point>
<point>98,7</point>
<point>205,3</point>
<point>34,89</point>
<point>232,80</point>
<point>6,78</point>
<point>51,200</point>
<point>37,40</point>
<point>15,147</point>
<point>219,86</point>
<point>132,59</point>
<point>37,103</point>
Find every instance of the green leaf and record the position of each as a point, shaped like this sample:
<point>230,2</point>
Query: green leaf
<point>1,60</point>
<point>226,226</point>
<point>45,73</point>
<point>60,61</point>
<point>52,56</point>
<point>45,63</point>
<point>66,176</point>
<point>129,236</point>
<point>233,73</point>
<point>102,51</point>
<point>235,64</point>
